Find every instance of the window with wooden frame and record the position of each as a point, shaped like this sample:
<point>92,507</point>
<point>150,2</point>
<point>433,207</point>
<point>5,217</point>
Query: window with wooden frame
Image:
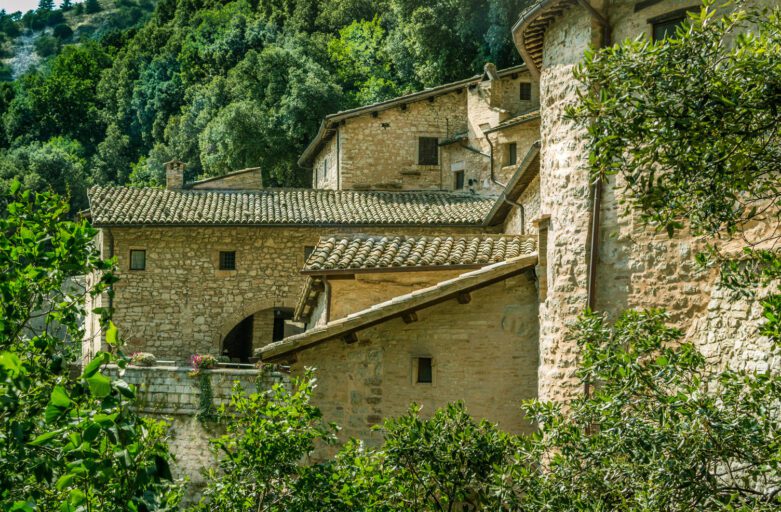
<point>137,259</point>
<point>227,260</point>
<point>428,151</point>
<point>526,91</point>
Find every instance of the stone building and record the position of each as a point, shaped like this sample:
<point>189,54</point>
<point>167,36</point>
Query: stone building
<point>215,270</point>
<point>450,239</point>
<point>466,135</point>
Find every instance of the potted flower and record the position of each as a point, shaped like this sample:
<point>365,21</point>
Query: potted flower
<point>202,362</point>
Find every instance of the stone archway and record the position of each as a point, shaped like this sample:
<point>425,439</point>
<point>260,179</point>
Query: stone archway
<point>252,327</point>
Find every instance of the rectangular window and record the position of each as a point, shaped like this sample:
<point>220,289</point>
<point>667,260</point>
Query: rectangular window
<point>428,151</point>
<point>227,260</point>
<point>458,180</point>
<point>138,259</point>
<point>664,26</point>
<point>325,168</point>
<point>526,91</point>
<point>425,373</point>
<point>308,250</point>
<point>512,153</point>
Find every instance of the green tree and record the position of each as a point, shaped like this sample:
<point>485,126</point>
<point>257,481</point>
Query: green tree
<point>66,5</point>
<point>268,434</point>
<point>362,64</point>
<point>66,443</point>
<point>92,6</point>
<point>45,5</point>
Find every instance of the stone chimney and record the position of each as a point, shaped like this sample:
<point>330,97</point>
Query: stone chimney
<point>174,175</point>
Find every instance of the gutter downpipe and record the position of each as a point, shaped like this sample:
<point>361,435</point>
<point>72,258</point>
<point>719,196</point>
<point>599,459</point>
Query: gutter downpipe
<point>338,159</point>
<point>596,193</point>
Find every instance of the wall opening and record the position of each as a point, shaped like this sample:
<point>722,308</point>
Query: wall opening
<point>237,345</point>
<point>280,315</point>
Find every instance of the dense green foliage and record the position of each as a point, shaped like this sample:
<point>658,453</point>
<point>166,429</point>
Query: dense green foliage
<point>224,85</point>
<point>66,442</point>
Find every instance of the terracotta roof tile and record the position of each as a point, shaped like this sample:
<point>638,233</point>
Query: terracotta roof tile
<point>378,252</point>
<point>146,206</point>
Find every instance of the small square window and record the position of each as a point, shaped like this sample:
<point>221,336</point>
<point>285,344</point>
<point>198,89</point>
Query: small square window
<point>425,373</point>
<point>138,259</point>
<point>458,179</point>
<point>512,153</point>
<point>526,91</point>
<point>428,151</point>
<point>227,260</point>
<point>665,29</point>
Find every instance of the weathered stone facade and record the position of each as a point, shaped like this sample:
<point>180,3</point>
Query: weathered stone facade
<point>377,147</point>
<point>636,268</point>
<point>174,395</point>
<point>182,304</point>
<point>483,353</point>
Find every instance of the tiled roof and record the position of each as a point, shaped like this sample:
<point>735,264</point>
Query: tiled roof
<point>398,306</point>
<point>146,206</point>
<point>381,252</point>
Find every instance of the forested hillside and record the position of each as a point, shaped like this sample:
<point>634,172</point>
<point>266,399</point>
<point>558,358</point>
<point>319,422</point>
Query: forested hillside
<point>224,85</point>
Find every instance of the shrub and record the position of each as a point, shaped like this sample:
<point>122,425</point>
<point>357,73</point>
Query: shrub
<point>46,46</point>
<point>62,31</point>
<point>143,359</point>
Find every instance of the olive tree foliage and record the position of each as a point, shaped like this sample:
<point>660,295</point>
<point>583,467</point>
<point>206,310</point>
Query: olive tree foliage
<point>68,441</point>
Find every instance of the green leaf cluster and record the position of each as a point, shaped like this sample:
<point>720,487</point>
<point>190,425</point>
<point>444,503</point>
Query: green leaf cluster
<point>69,440</point>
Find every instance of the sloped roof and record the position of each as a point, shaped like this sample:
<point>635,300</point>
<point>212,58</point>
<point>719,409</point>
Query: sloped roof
<point>514,121</point>
<point>348,253</point>
<point>125,206</point>
<point>523,176</point>
<point>398,307</point>
<point>530,28</point>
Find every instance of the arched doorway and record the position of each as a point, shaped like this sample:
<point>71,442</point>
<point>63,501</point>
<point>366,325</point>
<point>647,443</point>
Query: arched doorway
<point>258,329</point>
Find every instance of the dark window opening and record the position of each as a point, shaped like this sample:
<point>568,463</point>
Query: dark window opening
<point>325,168</point>
<point>308,250</point>
<point>280,315</point>
<point>227,260</point>
<point>237,345</point>
<point>424,370</point>
<point>512,153</point>
<point>138,259</point>
<point>428,151</point>
<point>526,91</point>
<point>664,26</point>
<point>459,180</point>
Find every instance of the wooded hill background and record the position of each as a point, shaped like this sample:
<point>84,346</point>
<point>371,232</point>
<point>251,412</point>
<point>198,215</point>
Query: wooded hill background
<point>221,85</point>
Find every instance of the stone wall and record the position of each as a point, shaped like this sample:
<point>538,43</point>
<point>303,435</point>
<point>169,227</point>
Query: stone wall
<point>247,179</point>
<point>483,352</point>
<point>522,223</point>
<point>381,152</point>
<point>183,304</point>
<point>171,394</point>
<point>364,290</point>
<point>636,267</point>
<point>326,165</point>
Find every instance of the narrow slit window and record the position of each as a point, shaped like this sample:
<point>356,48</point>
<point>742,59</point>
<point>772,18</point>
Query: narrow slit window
<point>458,178</point>
<point>138,259</point>
<point>425,373</point>
<point>428,151</point>
<point>325,168</point>
<point>227,260</point>
<point>512,153</point>
<point>526,91</point>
